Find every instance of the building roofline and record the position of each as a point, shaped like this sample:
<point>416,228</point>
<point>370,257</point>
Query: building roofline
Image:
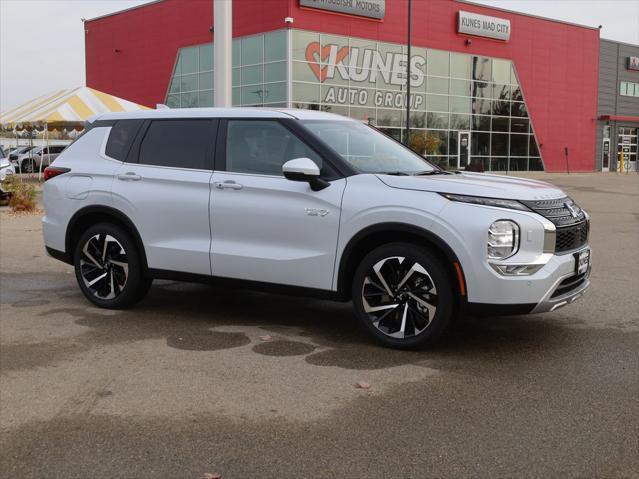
<point>123,11</point>
<point>635,45</point>
<point>469,2</point>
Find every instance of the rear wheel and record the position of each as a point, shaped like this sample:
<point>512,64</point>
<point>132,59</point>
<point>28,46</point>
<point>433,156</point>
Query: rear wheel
<point>28,166</point>
<point>108,267</point>
<point>402,295</point>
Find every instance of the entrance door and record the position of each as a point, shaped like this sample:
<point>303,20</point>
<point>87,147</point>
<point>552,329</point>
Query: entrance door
<point>605,155</point>
<point>605,149</point>
<point>463,149</point>
<point>627,144</point>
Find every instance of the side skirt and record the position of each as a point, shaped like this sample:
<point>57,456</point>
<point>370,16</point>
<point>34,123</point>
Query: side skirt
<point>244,284</point>
<point>488,309</point>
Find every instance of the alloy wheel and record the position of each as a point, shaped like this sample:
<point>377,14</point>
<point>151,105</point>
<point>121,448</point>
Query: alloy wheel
<point>399,297</point>
<point>104,266</point>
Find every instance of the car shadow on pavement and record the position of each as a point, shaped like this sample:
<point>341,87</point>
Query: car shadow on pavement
<point>204,318</point>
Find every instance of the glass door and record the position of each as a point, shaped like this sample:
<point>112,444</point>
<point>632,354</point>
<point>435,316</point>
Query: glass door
<point>605,149</point>
<point>463,149</point>
<point>627,145</point>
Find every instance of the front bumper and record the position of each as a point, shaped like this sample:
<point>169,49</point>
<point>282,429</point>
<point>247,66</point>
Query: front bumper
<point>576,286</point>
<point>554,286</point>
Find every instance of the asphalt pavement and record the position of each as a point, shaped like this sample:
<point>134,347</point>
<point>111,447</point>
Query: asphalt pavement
<point>199,379</point>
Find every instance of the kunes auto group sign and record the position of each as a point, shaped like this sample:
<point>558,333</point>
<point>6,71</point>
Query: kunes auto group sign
<point>363,8</point>
<point>366,66</point>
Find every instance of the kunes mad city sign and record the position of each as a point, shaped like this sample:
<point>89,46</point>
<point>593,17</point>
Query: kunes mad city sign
<point>364,65</point>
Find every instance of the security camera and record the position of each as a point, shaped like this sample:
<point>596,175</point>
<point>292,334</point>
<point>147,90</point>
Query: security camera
<point>288,20</point>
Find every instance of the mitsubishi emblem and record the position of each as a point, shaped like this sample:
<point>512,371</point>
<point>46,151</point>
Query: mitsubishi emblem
<point>573,211</point>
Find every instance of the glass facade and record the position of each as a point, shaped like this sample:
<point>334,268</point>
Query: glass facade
<point>466,110</point>
<point>259,73</point>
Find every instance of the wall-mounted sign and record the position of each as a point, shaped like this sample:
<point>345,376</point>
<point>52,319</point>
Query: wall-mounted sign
<point>483,26</point>
<point>633,63</point>
<point>365,67</point>
<point>363,8</point>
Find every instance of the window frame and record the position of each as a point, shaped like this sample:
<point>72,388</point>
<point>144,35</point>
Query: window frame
<point>334,165</point>
<point>133,156</point>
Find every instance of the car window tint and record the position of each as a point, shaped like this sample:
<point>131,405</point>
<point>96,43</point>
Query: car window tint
<point>262,147</point>
<point>177,143</point>
<point>121,137</point>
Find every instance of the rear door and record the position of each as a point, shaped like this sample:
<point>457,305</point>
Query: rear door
<point>163,187</point>
<point>264,227</point>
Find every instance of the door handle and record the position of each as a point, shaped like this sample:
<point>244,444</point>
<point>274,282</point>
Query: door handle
<point>228,184</point>
<point>130,176</point>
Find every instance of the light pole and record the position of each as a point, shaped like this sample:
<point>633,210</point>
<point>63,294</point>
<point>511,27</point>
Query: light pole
<point>223,52</point>
<point>408,75</point>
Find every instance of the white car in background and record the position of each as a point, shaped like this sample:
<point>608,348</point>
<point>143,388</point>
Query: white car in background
<point>6,169</point>
<point>31,160</point>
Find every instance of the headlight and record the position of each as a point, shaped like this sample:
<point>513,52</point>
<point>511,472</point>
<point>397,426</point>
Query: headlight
<point>480,200</point>
<point>503,239</point>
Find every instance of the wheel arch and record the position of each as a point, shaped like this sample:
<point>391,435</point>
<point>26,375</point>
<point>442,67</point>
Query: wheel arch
<point>91,215</point>
<point>379,234</point>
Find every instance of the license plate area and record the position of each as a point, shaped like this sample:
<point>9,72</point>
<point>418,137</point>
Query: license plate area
<point>582,261</point>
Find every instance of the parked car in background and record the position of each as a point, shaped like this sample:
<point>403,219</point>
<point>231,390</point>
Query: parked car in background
<point>17,151</point>
<point>6,169</point>
<point>31,160</point>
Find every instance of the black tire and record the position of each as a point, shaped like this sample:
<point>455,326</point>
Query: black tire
<point>28,166</point>
<point>412,316</point>
<point>110,275</point>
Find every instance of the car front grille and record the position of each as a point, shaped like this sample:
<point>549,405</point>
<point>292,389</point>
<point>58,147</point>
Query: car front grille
<point>569,284</point>
<point>571,237</point>
<point>561,211</point>
<point>570,220</point>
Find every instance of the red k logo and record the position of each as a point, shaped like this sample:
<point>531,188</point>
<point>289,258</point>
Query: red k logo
<point>315,54</point>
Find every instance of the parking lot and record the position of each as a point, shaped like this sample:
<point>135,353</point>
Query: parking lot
<point>198,379</point>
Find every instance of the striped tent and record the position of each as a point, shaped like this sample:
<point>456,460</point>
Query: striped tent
<point>64,109</point>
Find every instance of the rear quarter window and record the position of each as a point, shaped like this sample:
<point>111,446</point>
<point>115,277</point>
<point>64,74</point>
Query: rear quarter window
<point>121,138</point>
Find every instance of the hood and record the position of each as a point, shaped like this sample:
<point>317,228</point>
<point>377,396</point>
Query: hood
<point>477,184</point>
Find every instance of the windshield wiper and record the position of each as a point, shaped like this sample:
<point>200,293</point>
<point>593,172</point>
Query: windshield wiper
<point>432,172</point>
<point>394,173</point>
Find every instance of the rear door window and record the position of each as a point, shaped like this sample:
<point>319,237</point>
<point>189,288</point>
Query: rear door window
<point>183,143</point>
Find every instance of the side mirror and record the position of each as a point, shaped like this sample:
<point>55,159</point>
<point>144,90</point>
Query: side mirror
<point>304,169</point>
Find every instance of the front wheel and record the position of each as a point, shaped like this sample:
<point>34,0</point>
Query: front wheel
<point>108,267</point>
<point>402,295</point>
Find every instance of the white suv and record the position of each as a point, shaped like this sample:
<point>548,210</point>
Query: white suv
<point>307,202</point>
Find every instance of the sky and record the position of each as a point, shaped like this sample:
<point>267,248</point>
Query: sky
<point>42,44</point>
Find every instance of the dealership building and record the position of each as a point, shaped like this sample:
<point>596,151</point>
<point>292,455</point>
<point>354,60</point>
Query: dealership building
<point>495,89</point>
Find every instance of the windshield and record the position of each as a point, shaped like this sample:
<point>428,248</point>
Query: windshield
<point>367,149</point>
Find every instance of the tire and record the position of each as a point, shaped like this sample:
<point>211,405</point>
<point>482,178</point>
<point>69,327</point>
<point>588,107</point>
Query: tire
<point>110,275</point>
<point>28,166</point>
<point>421,301</point>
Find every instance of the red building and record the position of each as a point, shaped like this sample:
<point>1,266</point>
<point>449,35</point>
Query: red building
<point>505,90</point>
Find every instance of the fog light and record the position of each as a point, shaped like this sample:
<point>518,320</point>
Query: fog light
<point>516,269</point>
<point>503,239</point>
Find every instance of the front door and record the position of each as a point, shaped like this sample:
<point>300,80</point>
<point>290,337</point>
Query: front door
<point>264,227</point>
<point>605,149</point>
<point>627,145</point>
<point>605,155</point>
<point>463,149</point>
